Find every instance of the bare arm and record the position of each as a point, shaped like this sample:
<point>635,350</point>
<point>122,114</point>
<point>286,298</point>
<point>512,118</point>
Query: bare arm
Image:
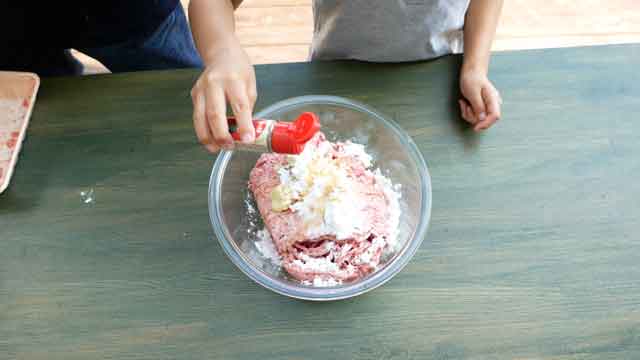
<point>479,31</point>
<point>212,24</point>
<point>482,105</point>
<point>228,75</point>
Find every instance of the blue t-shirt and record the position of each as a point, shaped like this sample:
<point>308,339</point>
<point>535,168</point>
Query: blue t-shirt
<point>78,24</point>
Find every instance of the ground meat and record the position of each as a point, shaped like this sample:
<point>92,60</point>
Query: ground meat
<point>324,256</point>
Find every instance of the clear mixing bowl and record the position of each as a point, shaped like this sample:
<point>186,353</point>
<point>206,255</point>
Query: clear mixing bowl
<point>236,221</point>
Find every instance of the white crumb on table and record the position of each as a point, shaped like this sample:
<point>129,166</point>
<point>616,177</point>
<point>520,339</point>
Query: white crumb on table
<point>266,248</point>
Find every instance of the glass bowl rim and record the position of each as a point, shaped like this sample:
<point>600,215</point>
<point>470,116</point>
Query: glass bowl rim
<point>372,281</point>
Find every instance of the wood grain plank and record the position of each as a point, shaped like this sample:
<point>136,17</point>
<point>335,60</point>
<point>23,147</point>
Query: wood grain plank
<point>274,3</point>
<point>558,41</point>
<point>261,54</point>
<point>272,26</point>
<point>557,17</point>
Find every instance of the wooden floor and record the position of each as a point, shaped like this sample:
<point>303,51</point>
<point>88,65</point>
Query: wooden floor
<point>275,31</point>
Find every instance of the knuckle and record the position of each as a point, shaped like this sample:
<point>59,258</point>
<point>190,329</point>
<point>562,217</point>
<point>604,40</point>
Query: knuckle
<point>234,76</point>
<point>214,77</point>
<point>224,78</point>
<point>241,106</point>
<point>245,129</point>
<point>220,138</point>
<point>211,114</point>
<point>204,140</point>
<point>195,92</point>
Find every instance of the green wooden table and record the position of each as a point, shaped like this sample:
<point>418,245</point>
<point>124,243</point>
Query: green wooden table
<point>533,250</point>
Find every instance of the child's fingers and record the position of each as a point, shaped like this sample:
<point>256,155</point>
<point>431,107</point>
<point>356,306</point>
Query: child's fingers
<point>472,117</point>
<point>492,101</point>
<point>241,105</point>
<point>216,110</point>
<point>210,145</point>
<point>252,91</point>
<point>465,111</point>
<point>477,104</point>
<point>200,123</point>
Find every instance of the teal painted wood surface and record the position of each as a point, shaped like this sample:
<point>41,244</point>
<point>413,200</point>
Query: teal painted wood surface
<point>533,250</point>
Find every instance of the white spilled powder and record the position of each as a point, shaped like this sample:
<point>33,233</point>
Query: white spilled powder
<point>357,151</point>
<point>252,215</point>
<point>342,216</point>
<point>320,264</point>
<point>393,195</point>
<point>266,248</point>
<point>329,245</point>
<point>320,281</point>
<point>345,250</point>
<point>251,210</point>
<point>87,196</point>
<point>367,256</point>
<point>322,187</point>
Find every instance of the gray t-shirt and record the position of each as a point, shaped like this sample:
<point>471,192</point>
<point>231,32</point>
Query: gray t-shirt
<point>387,30</point>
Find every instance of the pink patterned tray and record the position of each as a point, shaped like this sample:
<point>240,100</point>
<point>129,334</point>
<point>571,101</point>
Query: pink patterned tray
<point>17,95</point>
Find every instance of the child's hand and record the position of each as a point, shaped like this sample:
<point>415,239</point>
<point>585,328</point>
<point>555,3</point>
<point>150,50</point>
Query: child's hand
<point>481,103</point>
<point>228,76</point>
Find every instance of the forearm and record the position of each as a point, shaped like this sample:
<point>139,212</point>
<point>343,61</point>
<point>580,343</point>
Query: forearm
<point>212,25</point>
<point>479,31</point>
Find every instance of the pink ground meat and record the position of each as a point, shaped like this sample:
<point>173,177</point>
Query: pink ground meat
<point>287,229</point>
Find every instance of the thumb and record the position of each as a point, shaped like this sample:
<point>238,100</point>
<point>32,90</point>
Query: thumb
<point>477,104</point>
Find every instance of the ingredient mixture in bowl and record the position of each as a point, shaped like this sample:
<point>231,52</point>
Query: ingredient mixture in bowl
<point>329,214</point>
